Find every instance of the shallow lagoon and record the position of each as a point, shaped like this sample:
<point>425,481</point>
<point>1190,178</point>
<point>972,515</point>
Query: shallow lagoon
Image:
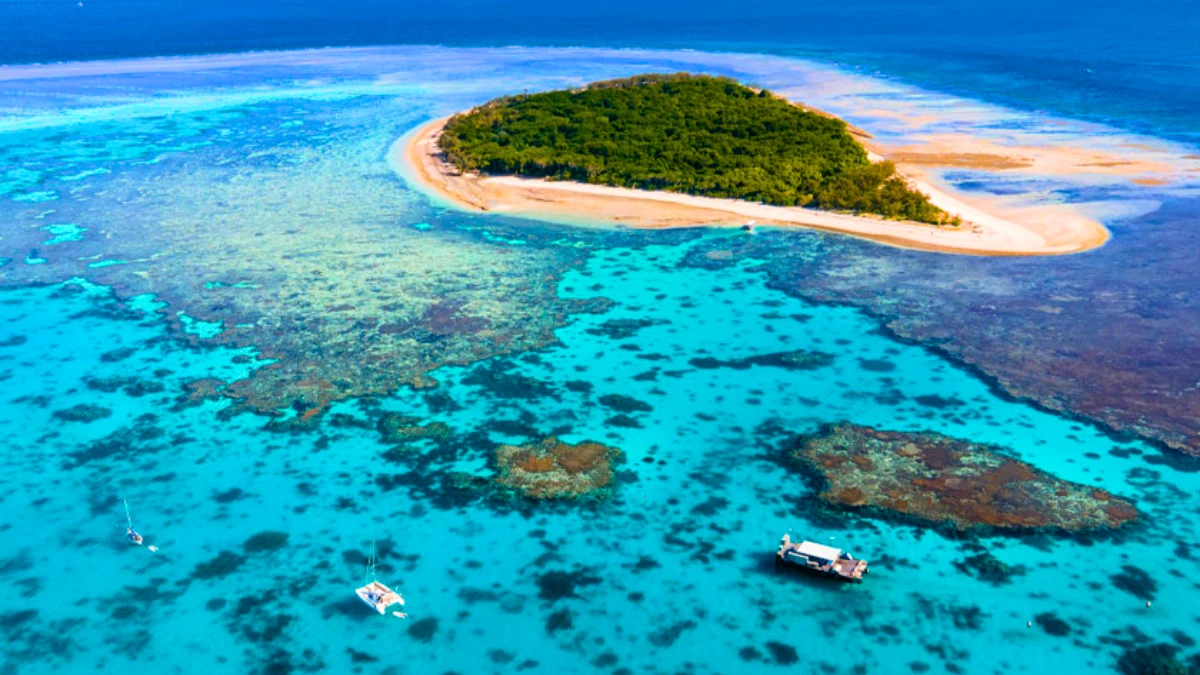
<point>673,574</point>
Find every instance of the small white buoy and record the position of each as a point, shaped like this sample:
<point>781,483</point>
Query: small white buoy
<point>1029,624</point>
<point>1147,603</point>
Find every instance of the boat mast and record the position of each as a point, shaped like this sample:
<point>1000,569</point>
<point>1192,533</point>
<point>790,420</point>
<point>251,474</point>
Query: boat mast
<point>371,560</point>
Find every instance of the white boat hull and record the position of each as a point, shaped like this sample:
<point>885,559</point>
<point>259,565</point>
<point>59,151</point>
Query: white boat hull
<point>379,597</point>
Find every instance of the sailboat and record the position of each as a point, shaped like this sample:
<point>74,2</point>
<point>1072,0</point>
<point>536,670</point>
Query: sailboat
<point>376,594</point>
<point>130,533</point>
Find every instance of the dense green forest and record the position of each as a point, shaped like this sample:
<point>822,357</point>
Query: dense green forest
<point>686,133</point>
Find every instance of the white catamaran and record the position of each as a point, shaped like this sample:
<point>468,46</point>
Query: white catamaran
<point>376,594</point>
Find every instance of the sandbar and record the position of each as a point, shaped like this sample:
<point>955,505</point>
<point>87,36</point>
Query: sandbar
<point>1053,232</point>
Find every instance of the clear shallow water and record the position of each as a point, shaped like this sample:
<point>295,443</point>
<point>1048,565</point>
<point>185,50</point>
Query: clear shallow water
<point>672,575</point>
<point>684,547</point>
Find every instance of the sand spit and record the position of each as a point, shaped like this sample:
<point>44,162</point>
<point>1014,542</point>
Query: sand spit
<point>1056,231</point>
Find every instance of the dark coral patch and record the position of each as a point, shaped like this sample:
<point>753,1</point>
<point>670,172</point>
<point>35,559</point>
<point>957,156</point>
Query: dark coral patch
<point>423,630</point>
<point>224,564</point>
<point>989,569</point>
<point>398,428</point>
<point>228,496</point>
<point>1135,581</point>
<point>134,439</point>
<point>132,386</point>
<point>561,619</point>
<point>500,656</point>
<point>557,585</point>
<point>1155,659</point>
<point>622,329</point>
<point>800,359</point>
<point>750,654</point>
<point>939,402</point>
<point>667,636</point>
<point>877,365</point>
<point>265,542</point>
<point>624,404</point>
<point>623,422</point>
<point>784,655</point>
<point>84,412</point>
<point>122,612</point>
<point>120,354</point>
<point>1053,625</point>
<point>579,386</point>
<point>605,660</point>
<point>496,378</point>
<point>966,617</point>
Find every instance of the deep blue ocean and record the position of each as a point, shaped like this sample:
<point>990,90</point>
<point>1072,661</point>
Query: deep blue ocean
<point>179,236</point>
<point>1134,63</point>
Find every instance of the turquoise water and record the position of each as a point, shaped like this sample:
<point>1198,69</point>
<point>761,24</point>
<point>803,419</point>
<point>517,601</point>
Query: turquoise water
<point>149,182</point>
<point>684,547</point>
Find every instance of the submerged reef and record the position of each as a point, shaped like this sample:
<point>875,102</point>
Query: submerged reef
<point>395,428</point>
<point>312,257</point>
<point>83,412</point>
<point>1091,335</point>
<point>552,469</point>
<point>797,359</point>
<point>946,481</point>
<point>1154,659</point>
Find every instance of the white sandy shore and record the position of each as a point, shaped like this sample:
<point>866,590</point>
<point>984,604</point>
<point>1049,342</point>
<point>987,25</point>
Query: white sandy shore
<point>982,233</point>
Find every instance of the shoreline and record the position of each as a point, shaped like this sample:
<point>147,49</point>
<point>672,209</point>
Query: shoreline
<point>416,157</point>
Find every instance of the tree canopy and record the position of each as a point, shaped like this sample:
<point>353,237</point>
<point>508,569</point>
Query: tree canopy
<point>694,134</point>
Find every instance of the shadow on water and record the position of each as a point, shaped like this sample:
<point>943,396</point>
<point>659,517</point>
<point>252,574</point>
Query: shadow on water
<point>351,608</point>
<point>763,565</point>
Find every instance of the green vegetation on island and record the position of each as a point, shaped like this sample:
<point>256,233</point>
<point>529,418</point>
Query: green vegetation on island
<point>695,134</point>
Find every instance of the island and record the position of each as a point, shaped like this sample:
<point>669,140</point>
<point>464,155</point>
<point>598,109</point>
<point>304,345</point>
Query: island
<point>684,150</point>
<point>943,481</point>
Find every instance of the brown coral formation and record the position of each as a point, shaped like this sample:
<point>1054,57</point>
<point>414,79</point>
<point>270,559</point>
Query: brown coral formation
<point>947,481</point>
<point>552,469</point>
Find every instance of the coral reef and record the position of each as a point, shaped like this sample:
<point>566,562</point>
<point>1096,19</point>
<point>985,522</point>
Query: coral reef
<point>623,329</point>
<point>314,271</point>
<point>799,359</point>
<point>1091,335</point>
<point>197,391</point>
<point>551,469</point>
<point>1155,659</point>
<point>989,569</point>
<point>396,428</point>
<point>83,412</point>
<point>946,481</point>
<point>1135,581</point>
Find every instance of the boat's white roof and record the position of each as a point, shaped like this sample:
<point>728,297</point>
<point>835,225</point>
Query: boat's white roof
<point>821,551</point>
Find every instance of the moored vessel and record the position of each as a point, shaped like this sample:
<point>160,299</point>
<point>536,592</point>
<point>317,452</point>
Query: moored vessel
<point>820,558</point>
<point>130,533</point>
<point>378,595</point>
